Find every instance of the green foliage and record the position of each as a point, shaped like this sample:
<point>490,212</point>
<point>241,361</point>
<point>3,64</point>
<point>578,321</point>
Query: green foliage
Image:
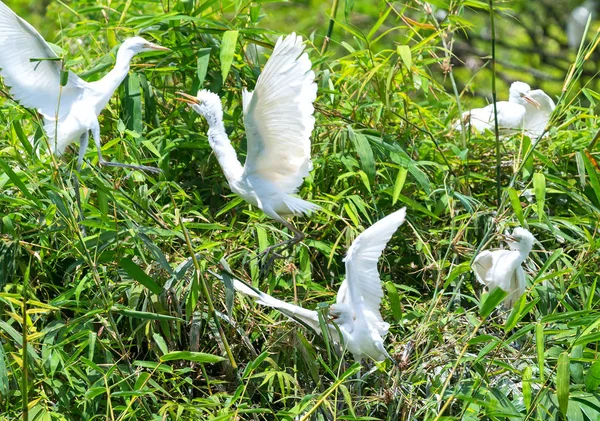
<point>128,321</point>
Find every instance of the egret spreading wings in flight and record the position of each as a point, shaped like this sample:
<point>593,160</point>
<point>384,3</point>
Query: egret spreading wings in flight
<point>356,311</point>
<point>502,268</point>
<point>278,118</point>
<point>511,113</point>
<point>32,71</point>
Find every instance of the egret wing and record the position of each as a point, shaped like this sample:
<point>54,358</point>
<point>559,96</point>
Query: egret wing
<point>31,68</point>
<point>297,313</point>
<point>278,117</point>
<point>362,277</point>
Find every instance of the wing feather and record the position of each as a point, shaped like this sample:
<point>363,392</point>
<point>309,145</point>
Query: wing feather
<point>278,116</point>
<point>35,84</point>
<point>362,276</point>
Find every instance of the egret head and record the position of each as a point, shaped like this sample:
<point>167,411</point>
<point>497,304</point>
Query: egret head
<point>205,103</point>
<point>140,45</point>
<point>341,314</point>
<point>520,240</point>
<point>546,103</point>
<point>520,93</point>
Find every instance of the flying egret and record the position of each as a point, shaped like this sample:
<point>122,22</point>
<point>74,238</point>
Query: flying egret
<point>502,268</point>
<point>577,21</point>
<point>356,311</point>
<point>33,73</point>
<point>278,118</point>
<point>511,113</point>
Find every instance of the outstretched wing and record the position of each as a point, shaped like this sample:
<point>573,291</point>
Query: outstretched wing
<point>278,117</point>
<point>362,285</point>
<point>31,69</point>
<point>297,313</point>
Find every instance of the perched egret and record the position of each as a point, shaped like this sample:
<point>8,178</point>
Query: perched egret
<point>356,311</point>
<point>502,268</point>
<point>577,21</point>
<point>511,113</point>
<point>33,72</point>
<point>278,118</point>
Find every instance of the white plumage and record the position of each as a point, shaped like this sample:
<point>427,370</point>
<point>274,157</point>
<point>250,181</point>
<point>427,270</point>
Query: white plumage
<point>577,21</point>
<point>278,118</point>
<point>32,71</point>
<point>356,311</point>
<point>526,110</point>
<point>502,268</point>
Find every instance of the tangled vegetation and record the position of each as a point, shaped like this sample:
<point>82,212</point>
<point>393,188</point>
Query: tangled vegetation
<point>131,319</point>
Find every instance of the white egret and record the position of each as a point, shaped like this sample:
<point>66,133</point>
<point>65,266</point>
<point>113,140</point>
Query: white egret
<point>32,71</point>
<point>278,118</point>
<point>577,21</point>
<point>356,311</point>
<point>511,113</point>
<point>502,268</point>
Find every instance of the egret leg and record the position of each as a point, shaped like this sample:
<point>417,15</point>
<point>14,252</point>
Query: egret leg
<point>96,134</point>
<point>268,255</point>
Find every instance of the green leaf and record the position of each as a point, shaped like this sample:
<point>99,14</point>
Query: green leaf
<point>516,206</point>
<point>160,343</point>
<point>490,301</point>
<point>593,177</point>
<point>526,381</point>
<point>227,51</point>
<point>3,373</point>
<point>563,379</point>
<point>400,179</point>
<point>592,378</point>
<point>394,300</point>
<point>133,104</point>
<point>404,52</point>
<point>539,186</point>
<point>365,154</point>
<point>539,345</point>
<point>139,275</point>
<point>202,64</point>
<point>197,357</point>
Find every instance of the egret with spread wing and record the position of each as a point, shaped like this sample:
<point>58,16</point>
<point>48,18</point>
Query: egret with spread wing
<point>502,268</point>
<point>278,118</point>
<point>32,71</point>
<point>356,311</point>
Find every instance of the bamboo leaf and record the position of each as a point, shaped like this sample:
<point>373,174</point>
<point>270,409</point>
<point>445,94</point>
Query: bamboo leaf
<point>139,275</point>
<point>202,64</point>
<point>227,51</point>
<point>592,378</point>
<point>539,186</point>
<point>563,380</point>
<point>197,357</point>
<point>490,301</point>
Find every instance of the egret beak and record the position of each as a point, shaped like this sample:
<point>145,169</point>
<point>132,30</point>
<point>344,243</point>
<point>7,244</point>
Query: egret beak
<point>532,101</point>
<point>156,47</point>
<point>187,98</point>
<point>508,237</point>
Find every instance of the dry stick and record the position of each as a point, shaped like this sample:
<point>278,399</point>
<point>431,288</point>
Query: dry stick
<point>334,8</point>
